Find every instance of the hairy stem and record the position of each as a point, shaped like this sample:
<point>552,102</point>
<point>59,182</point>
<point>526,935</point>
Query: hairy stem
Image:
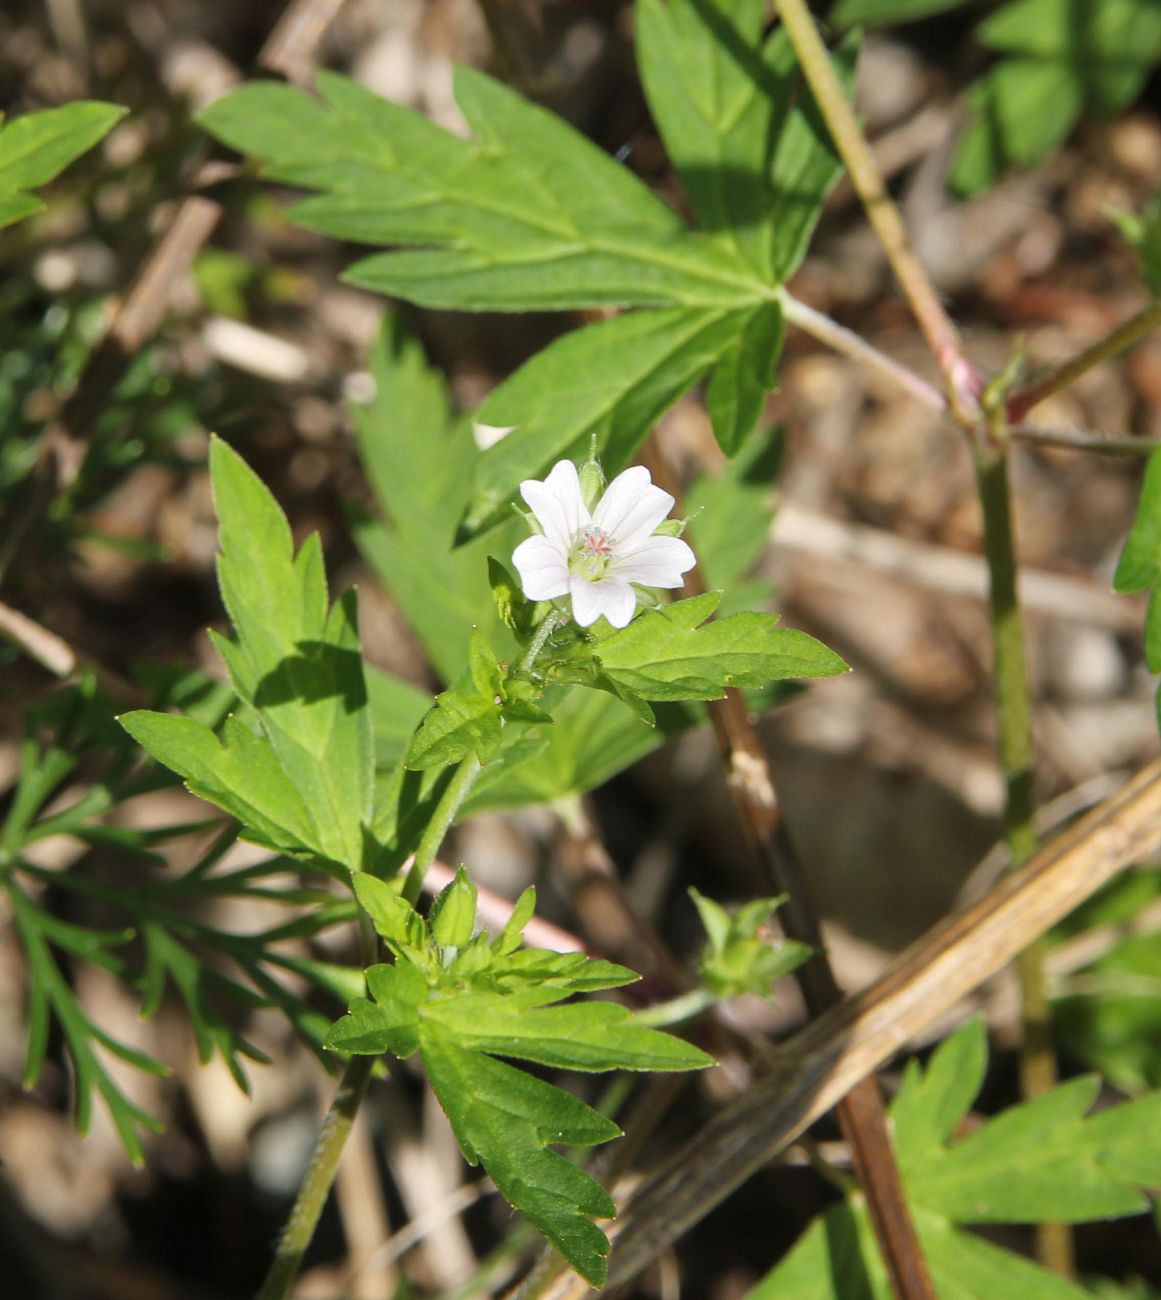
<point>1124,336</point>
<point>320,1174</point>
<point>445,813</point>
<point>551,622</point>
<point>959,376</point>
<point>852,345</point>
<point>336,1127</point>
<point>1014,710</point>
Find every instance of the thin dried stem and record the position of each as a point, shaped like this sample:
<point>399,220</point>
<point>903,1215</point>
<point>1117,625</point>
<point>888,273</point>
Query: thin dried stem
<point>861,1115</point>
<point>1124,336</point>
<point>291,47</point>
<point>60,658</point>
<point>960,379</point>
<point>821,1063</point>
<point>852,345</point>
<point>1103,444</point>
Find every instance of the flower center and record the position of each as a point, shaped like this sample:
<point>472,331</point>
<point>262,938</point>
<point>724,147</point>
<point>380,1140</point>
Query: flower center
<point>591,554</point>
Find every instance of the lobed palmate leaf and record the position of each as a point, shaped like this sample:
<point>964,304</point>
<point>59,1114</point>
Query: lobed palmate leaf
<point>1044,1159</point>
<point>36,147</point>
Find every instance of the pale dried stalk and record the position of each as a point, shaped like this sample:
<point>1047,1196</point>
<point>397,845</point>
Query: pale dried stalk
<point>827,1059</point>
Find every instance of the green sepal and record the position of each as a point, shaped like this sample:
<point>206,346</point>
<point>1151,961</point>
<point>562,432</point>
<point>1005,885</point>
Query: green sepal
<point>453,912</point>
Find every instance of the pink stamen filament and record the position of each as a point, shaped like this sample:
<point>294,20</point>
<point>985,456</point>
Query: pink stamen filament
<point>596,543</point>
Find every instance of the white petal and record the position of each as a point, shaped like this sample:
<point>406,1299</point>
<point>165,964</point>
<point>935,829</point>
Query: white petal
<point>611,597</point>
<point>620,601</point>
<point>655,562</point>
<point>542,569</point>
<point>557,504</point>
<point>632,507</point>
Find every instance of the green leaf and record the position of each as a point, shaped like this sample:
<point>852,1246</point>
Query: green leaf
<point>740,958</point>
<point>732,515</point>
<point>1062,57</point>
<point>737,390</point>
<point>1140,564</point>
<point>714,102</point>
<point>420,461</point>
<point>878,13</point>
<point>805,165</point>
<point>241,774</point>
<point>512,605</point>
<point>673,654</point>
<point>504,1119</point>
<point>610,381</point>
<point>753,152</point>
<point>393,917</point>
<point>391,1022</point>
<point>1042,1160</point>
<point>15,207</point>
<point>1112,1020</point>
<point>595,736</point>
<point>397,708</point>
<point>512,935</point>
<point>526,215</point>
<point>298,666</point>
<point>1020,112</point>
<point>931,1103</point>
<point>462,722</point>
<point>167,961</point>
<point>579,1036</point>
<point>1143,231</point>
<point>484,667</point>
<point>453,912</point>
<point>837,1259</point>
<point>1035,1161</point>
<point>50,996</point>
<point>38,146</point>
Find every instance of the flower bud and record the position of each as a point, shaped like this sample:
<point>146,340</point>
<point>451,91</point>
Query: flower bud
<point>592,483</point>
<point>453,914</point>
<point>670,528</point>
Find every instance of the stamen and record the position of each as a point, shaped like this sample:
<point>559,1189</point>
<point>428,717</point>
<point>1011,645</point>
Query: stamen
<point>596,543</point>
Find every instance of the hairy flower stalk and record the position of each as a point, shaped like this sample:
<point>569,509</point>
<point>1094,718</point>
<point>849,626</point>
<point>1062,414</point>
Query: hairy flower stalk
<point>597,545</point>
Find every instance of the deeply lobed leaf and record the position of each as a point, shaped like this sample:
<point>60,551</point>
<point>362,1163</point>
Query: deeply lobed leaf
<point>38,146</point>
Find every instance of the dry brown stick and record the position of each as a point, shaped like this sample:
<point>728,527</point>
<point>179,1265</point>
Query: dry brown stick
<point>290,48</point>
<point>60,658</point>
<point>824,1061</point>
<point>861,1115</point>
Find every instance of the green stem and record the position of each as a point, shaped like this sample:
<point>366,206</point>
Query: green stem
<point>552,620</point>
<point>324,1163</point>
<point>1014,711</point>
<point>445,813</point>
<point>959,375</point>
<point>683,1007</point>
<point>1124,336</point>
<point>320,1174</point>
<point>316,1185</point>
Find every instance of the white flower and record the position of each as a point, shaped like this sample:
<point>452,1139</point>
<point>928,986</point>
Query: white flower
<point>595,557</point>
